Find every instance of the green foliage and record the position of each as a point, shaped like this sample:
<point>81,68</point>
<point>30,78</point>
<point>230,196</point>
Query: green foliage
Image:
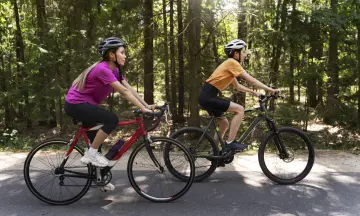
<point>10,140</point>
<point>73,29</point>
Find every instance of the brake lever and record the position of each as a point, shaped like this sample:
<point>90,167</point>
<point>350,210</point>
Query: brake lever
<point>167,112</point>
<point>168,109</point>
<point>166,118</point>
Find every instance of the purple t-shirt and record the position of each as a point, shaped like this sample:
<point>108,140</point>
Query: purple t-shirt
<point>97,86</point>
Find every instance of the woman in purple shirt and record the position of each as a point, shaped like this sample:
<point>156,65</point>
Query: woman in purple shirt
<point>91,87</point>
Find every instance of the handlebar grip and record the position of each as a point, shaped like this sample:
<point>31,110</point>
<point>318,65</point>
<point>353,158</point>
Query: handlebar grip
<point>163,107</point>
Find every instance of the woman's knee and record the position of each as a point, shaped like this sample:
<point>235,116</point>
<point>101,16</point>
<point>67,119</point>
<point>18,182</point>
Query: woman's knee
<point>110,123</point>
<point>224,122</point>
<point>236,108</point>
<point>241,110</point>
<point>113,119</point>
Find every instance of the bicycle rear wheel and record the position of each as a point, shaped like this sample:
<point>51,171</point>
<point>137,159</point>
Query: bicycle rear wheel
<point>294,163</point>
<point>149,175</point>
<point>190,138</point>
<point>52,182</point>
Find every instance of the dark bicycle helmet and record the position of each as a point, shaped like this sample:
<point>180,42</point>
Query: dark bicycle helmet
<point>108,43</point>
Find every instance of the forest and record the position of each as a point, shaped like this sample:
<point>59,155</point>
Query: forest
<point>309,49</point>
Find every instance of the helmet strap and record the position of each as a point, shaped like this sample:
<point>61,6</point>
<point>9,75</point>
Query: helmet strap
<point>118,66</point>
<point>116,62</point>
<point>232,54</point>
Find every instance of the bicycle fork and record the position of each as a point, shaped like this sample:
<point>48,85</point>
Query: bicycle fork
<point>278,143</point>
<point>148,141</point>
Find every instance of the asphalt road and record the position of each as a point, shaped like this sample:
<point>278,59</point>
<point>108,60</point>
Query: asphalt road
<point>332,188</point>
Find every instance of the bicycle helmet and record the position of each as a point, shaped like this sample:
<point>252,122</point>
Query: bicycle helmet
<point>234,45</point>
<point>108,43</point>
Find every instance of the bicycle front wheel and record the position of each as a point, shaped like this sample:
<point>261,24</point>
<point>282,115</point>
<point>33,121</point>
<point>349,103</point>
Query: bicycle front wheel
<point>149,175</point>
<point>54,178</point>
<point>293,163</point>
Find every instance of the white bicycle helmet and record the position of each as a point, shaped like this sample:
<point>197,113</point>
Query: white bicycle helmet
<point>234,45</point>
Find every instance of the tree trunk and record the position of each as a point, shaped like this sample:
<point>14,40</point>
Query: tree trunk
<point>358,62</point>
<point>213,36</point>
<point>166,55</point>
<point>291,78</point>
<point>52,120</point>
<point>292,50</point>
<point>41,33</point>
<point>320,92</point>
<point>68,79</point>
<point>172,64</point>
<point>58,97</point>
<point>332,101</point>
<point>90,33</point>
<point>110,102</point>
<point>148,52</point>
<point>20,57</point>
<point>180,44</point>
<point>194,58</point>
<point>298,89</point>
<point>215,51</point>
<point>278,43</point>
<point>240,97</point>
<point>4,89</point>
<point>315,53</point>
<point>273,75</point>
<point>12,111</point>
<point>311,78</point>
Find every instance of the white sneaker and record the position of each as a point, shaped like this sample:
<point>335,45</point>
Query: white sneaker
<point>86,158</point>
<point>97,160</point>
<point>107,188</point>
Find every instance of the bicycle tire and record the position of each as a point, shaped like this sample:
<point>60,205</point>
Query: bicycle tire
<point>139,184</point>
<point>30,183</point>
<point>266,144</point>
<point>197,132</point>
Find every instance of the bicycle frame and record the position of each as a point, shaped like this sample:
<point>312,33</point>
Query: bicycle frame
<point>139,132</point>
<point>263,115</point>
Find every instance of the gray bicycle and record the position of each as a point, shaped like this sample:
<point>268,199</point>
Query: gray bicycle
<point>285,154</point>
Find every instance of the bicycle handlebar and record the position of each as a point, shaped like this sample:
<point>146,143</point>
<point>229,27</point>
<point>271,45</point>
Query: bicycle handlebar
<point>263,99</point>
<point>164,108</point>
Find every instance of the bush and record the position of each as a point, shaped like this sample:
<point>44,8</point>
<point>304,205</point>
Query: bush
<point>11,140</point>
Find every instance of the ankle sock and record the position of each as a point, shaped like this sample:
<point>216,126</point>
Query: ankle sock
<point>92,151</point>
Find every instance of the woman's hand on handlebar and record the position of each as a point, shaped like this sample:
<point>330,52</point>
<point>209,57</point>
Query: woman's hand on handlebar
<point>146,110</point>
<point>152,107</point>
<point>257,94</point>
<point>275,92</point>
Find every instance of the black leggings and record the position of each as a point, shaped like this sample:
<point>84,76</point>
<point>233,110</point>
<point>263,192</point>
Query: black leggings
<point>90,115</point>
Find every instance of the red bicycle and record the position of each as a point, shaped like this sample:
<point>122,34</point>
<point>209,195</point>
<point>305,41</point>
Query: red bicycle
<point>54,174</point>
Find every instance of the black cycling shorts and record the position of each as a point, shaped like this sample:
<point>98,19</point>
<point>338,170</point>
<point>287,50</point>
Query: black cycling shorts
<point>209,99</point>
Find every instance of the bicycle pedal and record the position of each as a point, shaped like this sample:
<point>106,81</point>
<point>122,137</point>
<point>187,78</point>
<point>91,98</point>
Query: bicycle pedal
<point>237,151</point>
<point>107,188</point>
<point>103,190</point>
<point>221,163</point>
